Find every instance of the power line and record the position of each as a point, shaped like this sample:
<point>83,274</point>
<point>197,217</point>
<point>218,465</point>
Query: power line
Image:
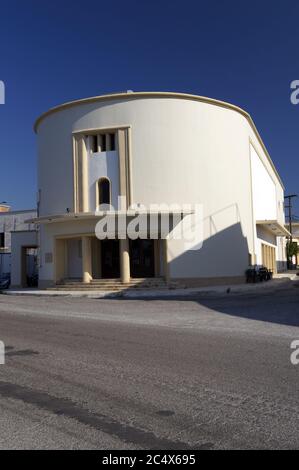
<point>289,207</point>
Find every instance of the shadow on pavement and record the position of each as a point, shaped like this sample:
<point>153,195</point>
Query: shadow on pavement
<point>280,307</point>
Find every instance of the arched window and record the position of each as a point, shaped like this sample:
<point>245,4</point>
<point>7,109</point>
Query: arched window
<point>104,191</point>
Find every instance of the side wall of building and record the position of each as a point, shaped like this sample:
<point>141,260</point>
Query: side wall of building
<point>267,204</point>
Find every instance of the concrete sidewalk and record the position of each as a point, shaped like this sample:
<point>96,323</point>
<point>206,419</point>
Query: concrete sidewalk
<point>281,281</point>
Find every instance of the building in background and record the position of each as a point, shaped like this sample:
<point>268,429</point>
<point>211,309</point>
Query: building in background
<point>156,148</point>
<point>4,207</point>
<point>295,239</point>
<point>18,245</point>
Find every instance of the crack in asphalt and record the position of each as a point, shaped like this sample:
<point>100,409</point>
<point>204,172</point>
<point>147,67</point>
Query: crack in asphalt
<point>70,409</point>
<point>23,352</point>
<point>10,351</point>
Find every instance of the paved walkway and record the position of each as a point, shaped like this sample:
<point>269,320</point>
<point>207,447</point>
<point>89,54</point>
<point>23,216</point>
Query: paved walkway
<point>280,281</point>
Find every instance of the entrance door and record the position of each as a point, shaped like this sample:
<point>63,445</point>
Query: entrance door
<point>142,258</point>
<point>110,259</point>
<point>74,258</point>
<point>29,272</point>
<point>268,257</point>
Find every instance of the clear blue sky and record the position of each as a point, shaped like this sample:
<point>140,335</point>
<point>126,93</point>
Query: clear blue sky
<point>55,51</point>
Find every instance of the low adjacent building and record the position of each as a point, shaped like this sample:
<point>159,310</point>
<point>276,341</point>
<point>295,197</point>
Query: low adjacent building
<point>295,239</point>
<point>18,245</point>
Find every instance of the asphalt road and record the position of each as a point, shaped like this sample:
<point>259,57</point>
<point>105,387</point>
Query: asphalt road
<point>206,373</point>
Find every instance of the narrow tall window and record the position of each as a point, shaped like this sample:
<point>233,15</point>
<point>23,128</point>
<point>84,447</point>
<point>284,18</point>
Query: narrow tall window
<point>112,141</point>
<point>104,191</point>
<point>2,240</point>
<point>103,143</point>
<point>94,143</point>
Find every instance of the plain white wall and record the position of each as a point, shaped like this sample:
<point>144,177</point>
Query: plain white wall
<point>263,189</point>
<point>268,204</point>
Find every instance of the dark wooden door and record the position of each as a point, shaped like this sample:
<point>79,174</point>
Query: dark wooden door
<point>110,259</point>
<point>142,259</point>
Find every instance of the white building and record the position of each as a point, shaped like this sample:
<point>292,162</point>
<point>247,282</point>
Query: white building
<point>18,244</point>
<point>156,148</point>
<point>295,239</point>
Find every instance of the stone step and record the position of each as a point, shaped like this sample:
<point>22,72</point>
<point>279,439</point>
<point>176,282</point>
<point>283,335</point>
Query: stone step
<point>90,289</point>
<point>93,286</point>
<point>110,285</point>
<point>116,281</point>
<point>106,285</point>
<point>104,288</point>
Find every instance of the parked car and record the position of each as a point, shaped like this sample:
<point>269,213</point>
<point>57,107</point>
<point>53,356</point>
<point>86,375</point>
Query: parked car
<point>258,274</point>
<point>4,281</point>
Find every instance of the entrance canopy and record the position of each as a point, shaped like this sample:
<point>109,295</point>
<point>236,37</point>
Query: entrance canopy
<point>274,227</point>
<point>120,224</point>
<point>70,216</point>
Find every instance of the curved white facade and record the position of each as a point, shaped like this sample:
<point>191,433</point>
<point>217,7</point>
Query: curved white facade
<point>171,149</point>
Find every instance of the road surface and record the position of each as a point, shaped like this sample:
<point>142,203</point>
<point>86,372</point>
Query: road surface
<point>203,373</point>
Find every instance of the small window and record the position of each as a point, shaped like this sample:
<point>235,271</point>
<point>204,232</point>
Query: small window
<point>103,143</point>
<point>104,191</point>
<point>112,141</point>
<point>48,257</point>
<point>94,143</point>
<point>2,240</point>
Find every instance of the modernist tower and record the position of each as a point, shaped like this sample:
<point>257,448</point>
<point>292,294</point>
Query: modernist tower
<point>156,148</point>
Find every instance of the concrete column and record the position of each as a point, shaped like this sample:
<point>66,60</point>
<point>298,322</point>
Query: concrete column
<point>86,260</point>
<point>99,142</point>
<point>121,138</point>
<point>108,142</point>
<point>124,260</point>
<point>165,260</point>
<point>84,166</point>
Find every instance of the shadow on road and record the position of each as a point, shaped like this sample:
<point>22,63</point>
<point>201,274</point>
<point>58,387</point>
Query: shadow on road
<point>280,307</point>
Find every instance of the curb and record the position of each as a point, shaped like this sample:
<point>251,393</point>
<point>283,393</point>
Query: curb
<point>172,293</point>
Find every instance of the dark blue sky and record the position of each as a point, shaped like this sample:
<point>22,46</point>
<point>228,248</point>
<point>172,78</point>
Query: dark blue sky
<point>55,51</point>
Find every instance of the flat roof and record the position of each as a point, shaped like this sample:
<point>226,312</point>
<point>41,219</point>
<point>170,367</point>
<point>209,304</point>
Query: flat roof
<point>17,212</point>
<point>159,94</point>
<point>139,94</point>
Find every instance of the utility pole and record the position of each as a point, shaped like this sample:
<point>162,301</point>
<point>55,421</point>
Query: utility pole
<point>289,207</point>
